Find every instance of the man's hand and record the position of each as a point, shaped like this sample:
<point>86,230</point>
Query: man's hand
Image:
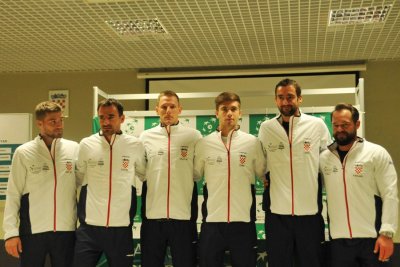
<point>384,245</point>
<point>13,246</point>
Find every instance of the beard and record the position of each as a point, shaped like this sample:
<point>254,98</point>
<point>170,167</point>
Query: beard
<point>288,110</point>
<point>345,138</point>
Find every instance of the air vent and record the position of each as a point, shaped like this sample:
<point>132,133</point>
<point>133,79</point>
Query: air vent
<point>137,27</point>
<point>362,15</point>
<point>106,1</point>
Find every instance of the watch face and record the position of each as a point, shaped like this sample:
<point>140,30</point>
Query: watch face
<point>387,234</point>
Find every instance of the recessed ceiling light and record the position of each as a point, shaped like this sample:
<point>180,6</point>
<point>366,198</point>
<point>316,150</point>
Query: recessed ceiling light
<point>137,27</point>
<point>106,1</point>
<point>362,15</point>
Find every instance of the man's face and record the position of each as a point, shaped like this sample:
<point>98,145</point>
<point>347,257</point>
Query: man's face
<point>110,121</point>
<point>168,108</point>
<point>52,125</point>
<point>287,101</point>
<point>344,129</point>
<point>228,114</point>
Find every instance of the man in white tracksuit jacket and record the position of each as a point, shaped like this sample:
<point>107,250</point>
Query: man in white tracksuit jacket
<point>169,194</point>
<point>107,164</point>
<point>40,211</point>
<point>361,185</point>
<point>229,160</point>
<point>292,142</point>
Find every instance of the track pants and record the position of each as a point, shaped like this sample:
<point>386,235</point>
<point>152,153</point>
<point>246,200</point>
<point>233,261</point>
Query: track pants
<point>239,238</point>
<point>355,252</point>
<point>294,239</point>
<point>59,246</point>
<point>180,235</point>
<point>115,242</point>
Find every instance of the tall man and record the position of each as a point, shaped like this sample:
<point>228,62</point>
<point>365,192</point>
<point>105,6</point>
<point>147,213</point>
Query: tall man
<point>229,160</point>
<point>40,211</point>
<point>361,186</point>
<point>292,142</point>
<point>107,164</point>
<point>169,193</point>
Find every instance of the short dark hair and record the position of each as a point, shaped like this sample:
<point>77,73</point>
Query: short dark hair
<point>287,82</point>
<point>168,93</point>
<point>46,107</point>
<point>111,102</point>
<point>226,97</point>
<point>355,115</point>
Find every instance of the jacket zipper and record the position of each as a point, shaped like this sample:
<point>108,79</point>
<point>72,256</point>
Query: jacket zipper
<point>55,186</point>
<point>228,151</point>
<point>291,163</point>
<point>110,182</point>
<point>168,129</point>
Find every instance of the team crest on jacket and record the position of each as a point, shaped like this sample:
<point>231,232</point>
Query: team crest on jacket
<point>242,159</point>
<point>184,152</point>
<point>358,169</point>
<point>307,145</point>
<point>125,163</point>
<point>68,166</point>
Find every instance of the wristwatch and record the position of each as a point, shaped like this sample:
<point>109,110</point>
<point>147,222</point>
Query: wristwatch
<point>387,234</point>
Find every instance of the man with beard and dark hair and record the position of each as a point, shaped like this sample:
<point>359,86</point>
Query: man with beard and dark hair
<point>292,142</point>
<point>108,162</point>
<point>361,185</point>
<point>40,211</point>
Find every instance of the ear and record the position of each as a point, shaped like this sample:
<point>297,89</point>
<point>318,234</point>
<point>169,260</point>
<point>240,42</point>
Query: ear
<point>39,123</point>
<point>179,109</point>
<point>300,99</point>
<point>358,124</point>
<point>122,118</point>
<point>157,111</point>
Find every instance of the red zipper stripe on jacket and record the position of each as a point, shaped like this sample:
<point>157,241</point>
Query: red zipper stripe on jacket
<point>110,182</point>
<point>168,129</point>
<point>228,150</point>
<point>345,197</point>
<point>291,165</point>
<point>55,186</point>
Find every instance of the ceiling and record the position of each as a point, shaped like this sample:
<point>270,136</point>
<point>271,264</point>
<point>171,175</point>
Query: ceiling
<point>71,35</point>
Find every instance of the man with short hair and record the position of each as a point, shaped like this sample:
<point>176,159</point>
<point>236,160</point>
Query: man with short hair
<point>169,194</point>
<point>292,142</point>
<point>40,211</point>
<point>229,160</point>
<point>107,164</point>
<point>361,187</point>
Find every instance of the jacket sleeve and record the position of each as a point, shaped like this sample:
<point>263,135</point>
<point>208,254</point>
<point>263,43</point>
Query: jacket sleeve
<point>386,180</point>
<point>326,139</point>
<point>198,169</point>
<point>81,165</point>
<point>140,164</point>
<point>15,189</point>
<point>259,162</point>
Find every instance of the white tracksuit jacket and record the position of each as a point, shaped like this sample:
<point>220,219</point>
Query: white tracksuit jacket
<point>229,172</point>
<point>293,162</point>
<point>367,172</point>
<point>169,173</point>
<point>107,174</point>
<point>41,192</point>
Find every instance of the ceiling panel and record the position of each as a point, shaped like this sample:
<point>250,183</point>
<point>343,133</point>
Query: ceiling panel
<point>72,35</point>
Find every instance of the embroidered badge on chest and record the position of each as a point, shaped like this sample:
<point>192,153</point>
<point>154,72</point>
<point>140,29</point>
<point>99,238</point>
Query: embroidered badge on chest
<point>68,166</point>
<point>125,164</point>
<point>184,152</point>
<point>242,159</point>
<point>358,170</point>
<point>307,145</point>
